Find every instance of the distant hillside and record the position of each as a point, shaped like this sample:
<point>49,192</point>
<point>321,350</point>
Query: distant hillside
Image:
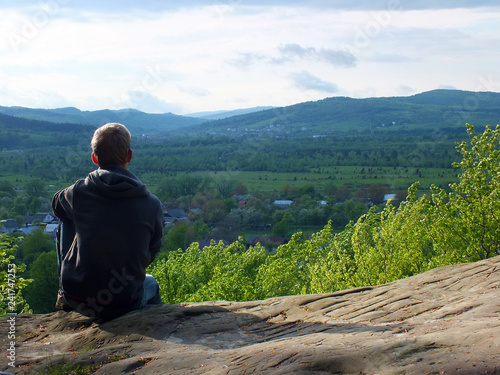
<point>18,132</point>
<point>443,109</point>
<point>218,115</point>
<point>137,122</point>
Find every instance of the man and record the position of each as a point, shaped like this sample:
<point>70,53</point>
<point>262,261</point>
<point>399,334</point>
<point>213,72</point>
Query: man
<point>117,233</point>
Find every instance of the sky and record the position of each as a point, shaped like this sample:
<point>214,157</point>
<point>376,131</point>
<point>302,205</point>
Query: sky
<point>194,56</point>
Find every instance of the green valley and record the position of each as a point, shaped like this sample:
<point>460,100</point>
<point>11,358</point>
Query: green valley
<point>325,169</point>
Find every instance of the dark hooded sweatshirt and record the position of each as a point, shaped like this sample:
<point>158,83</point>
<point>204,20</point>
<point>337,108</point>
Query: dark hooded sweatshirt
<point>118,225</point>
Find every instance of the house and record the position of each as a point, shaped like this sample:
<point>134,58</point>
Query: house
<point>29,229</point>
<point>173,215</point>
<point>8,226</point>
<point>175,212</point>
<point>283,203</point>
<point>51,229</point>
<point>389,196</point>
<point>195,213</point>
<point>43,218</point>
<point>168,220</point>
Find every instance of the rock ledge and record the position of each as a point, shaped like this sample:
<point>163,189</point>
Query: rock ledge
<point>445,321</point>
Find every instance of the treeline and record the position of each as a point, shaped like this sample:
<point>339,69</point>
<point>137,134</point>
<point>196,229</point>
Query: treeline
<point>296,154</point>
<point>69,158</point>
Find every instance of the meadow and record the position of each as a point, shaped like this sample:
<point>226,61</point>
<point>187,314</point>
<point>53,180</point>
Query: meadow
<point>352,177</point>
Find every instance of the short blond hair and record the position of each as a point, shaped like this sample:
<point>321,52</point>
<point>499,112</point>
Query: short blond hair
<point>111,144</point>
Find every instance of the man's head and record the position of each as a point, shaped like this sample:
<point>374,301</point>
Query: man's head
<point>111,145</point>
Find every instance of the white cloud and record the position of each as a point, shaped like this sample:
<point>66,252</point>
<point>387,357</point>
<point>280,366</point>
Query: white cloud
<point>145,102</point>
<point>206,55</point>
<point>331,56</point>
<point>307,81</point>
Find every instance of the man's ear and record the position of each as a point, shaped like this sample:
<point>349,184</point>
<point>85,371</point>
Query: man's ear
<point>94,159</point>
<point>129,156</point>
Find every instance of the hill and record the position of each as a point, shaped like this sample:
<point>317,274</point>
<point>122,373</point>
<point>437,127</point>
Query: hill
<point>444,321</point>
<point>137,122</point>
<point>441,110</point>
<point>19,133</point>
<point>217,115</point>
<point>447,110</point>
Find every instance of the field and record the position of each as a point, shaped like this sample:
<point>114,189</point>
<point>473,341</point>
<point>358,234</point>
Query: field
<point>352,177</point>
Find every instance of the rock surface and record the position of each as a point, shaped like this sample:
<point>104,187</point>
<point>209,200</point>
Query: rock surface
<point>445,321</point>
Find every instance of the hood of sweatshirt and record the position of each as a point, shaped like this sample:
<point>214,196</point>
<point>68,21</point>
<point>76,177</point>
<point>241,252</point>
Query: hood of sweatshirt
<point>117,182</point>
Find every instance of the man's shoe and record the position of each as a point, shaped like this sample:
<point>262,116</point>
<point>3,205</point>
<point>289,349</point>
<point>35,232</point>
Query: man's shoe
<point>61,303</point>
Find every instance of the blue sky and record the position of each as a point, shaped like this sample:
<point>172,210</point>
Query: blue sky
<point>192,56</point>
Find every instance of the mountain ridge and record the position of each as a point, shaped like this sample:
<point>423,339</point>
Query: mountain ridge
<point>218,115</point>
<point>137,122</point>
<point>440,108</point>
<point>432,109</point>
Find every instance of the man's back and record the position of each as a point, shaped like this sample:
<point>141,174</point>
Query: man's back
<point>118,226</point>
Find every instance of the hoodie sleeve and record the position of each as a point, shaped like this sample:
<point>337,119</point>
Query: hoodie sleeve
<point>62,203</point>
<point>155,243</point>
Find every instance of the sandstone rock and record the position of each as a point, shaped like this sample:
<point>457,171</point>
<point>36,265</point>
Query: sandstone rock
<point>445,321</point>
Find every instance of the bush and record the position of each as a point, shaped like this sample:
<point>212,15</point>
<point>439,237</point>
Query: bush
<point>41,294</point>
<point>11,282</point>
<point>216,272</point>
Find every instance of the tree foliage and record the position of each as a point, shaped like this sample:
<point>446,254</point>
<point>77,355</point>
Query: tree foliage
<point>12,284</point>
<point>381,246</point>
<point>213,273</point>
<point>42,292</point>
<point>35,243</point>
<point>469,215</point>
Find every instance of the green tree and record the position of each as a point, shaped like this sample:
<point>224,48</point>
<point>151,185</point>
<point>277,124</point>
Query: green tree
<point>12,284</point>
<point>218,272</point>
<point>201,229</point>
<point>215,211</point>
<point>41,294</point>
<point>468,220</point>
<point>224,187</point>
<point>290,270</point>
<point>240,189</point>
<point>179,236</point>
<point>289,192</point>
<point>35,243</point>
<point>19,206</point>
<point>35,188</point>
<point>392,244</point>
<point>7,189</point>
<point>284,226</point>
<point>34,205</point>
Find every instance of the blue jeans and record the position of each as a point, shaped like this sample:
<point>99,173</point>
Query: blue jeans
<point>151,294</point>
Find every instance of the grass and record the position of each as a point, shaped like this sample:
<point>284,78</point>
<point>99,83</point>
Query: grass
<point>69,369</point>
<point>353,177</point>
